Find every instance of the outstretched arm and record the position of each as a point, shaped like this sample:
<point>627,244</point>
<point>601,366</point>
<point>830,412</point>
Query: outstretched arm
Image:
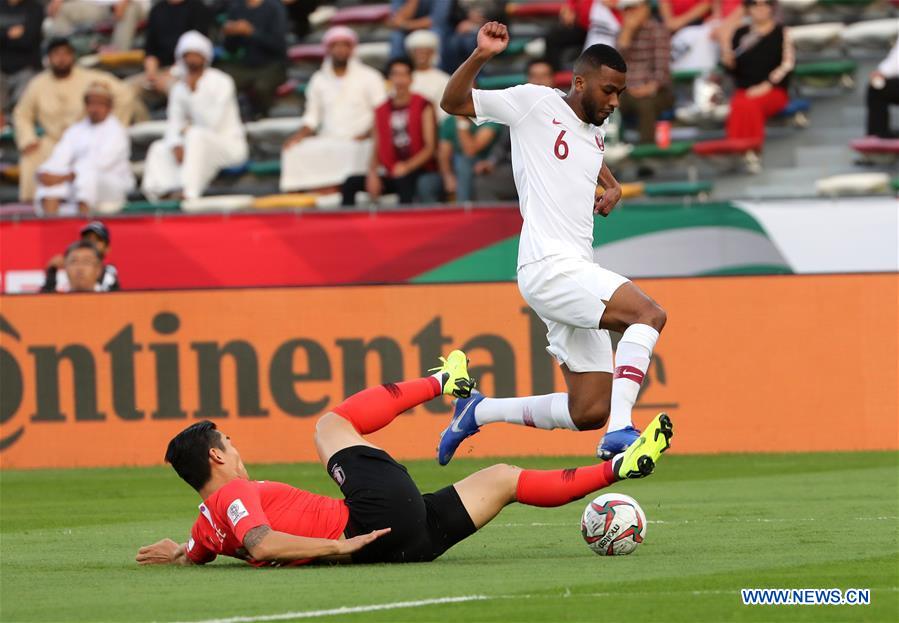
<point>263,543</point>
<point>492,39</point>
<point>164,552</point>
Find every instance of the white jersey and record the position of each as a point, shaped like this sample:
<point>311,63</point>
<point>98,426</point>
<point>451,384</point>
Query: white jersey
<point>556,159</point>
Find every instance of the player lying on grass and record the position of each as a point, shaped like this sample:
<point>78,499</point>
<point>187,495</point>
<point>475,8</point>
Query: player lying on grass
<point>383,516</point>
<point>557,160</point>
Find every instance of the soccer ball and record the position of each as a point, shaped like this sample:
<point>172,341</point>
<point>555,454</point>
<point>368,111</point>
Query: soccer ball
<point>613,525</point>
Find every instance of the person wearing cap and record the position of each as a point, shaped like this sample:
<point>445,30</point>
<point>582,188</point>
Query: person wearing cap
<point>334,140</point>
<point>203,130</point>
<point>53,101</point>
<point>405,142</point>
<point>427,80</point>
<point>256,41</point>
<point>89,168</point>
<point>83,267</point>
<point>95,234</point>
<point>68,15</point>
<point>20,49</point>
<point>646,47</point>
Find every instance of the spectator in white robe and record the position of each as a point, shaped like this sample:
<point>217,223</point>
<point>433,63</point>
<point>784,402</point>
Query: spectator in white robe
<point>334,141</point>
<point>89,168</point>
<point>203,134</point>
<point>427,80</point>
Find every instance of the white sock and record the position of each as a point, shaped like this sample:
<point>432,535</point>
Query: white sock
<point>631,361</point>
<point>546,412</point>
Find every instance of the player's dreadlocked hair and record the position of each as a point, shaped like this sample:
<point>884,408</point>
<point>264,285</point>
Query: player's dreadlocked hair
<point>598,55</point>
<point>188,452</point>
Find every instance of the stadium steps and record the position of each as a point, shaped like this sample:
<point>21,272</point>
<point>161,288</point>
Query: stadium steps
<point>533,10</point>
<point>894,184</point>
<point>361,15</point>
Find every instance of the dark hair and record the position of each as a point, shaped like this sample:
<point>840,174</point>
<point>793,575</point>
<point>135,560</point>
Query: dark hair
<point>188,452</point>
<point>598,55</point>
<point>541,61</point>
<point>83,244</point>
<point>399,60</point>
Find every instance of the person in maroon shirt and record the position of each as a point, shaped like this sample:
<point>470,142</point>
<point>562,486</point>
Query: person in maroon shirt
<point>383,516</point>
<point>405,141</point>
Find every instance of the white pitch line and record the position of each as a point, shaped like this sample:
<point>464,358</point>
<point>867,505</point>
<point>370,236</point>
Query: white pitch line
<point>309,614</point>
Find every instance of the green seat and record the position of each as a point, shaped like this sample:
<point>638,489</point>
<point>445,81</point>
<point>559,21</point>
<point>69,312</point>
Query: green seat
<point>265,168</point>
<point>677,149</point>
<point>149,207</point>
<point>503,81</point>
<point>678,189</point>
<point>515,47</point>
<point>7,134</point>
<point>686,75</point>
<point>894,184</point>
<point>825,69</point>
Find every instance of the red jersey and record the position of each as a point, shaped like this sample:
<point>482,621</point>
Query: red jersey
<point>242,505</point>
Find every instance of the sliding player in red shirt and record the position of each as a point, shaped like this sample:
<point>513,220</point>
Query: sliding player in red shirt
<point>383,516</point>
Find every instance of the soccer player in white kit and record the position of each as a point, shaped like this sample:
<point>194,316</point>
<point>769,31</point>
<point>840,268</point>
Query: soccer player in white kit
<point>557,162</point>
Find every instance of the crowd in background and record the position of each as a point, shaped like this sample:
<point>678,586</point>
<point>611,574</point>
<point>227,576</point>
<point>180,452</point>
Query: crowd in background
<point>215,66</point>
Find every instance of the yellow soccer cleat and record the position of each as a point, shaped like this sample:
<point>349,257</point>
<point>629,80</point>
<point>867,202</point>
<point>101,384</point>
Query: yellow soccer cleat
<point>455,380</point>
<point>639,460</point>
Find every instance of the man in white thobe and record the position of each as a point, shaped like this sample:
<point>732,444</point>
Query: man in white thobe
<point>335,139</point>
<point>88,169</point>
<point>427,80</point>
<point>203,133</point>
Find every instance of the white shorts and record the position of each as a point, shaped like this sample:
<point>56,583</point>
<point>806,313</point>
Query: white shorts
<point>569,294</point>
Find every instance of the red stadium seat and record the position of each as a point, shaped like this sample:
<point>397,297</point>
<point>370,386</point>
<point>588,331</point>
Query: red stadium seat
<point>306,52</point>
<point>725,146</point>
<point>524,10</point>
<point>563,79</point>
<point>364,14</point>
<point>288,88</point>
<point>875,145</point>
<point>106,27</point>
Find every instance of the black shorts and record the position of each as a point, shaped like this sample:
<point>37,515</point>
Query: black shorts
<point>380,494</point>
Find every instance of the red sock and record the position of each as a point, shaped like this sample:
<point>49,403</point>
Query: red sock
<point>556,487</point>
<point>374,408</point>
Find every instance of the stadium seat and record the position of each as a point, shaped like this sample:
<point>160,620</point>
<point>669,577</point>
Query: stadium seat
<point>617,152</point>
<point>725,146</point>
<point>149,207</point>
<point>531,10</point>
<point>147,131</point>
<point>699,189</point>
<point>515,47</point>
<point>894,184</point>
<point>322,16</point>
<point>374,52</point>
<point>16,209</point>
<point>235,171</point>
<point>816,36</point>
<point>876,145</point>
<point>265,168</point>
<point>117,60</point>
<point>501,81</point>
<point>646,151</point>
<point>7,134</point>
<point>285,202</point>
<point>853,184</point>
<point>218,203</point>
<point>563,79</point>
<point>841,70</point>
<point>364,14</point>
<point>796,112</point>
<point>880,32</point>
<point>276,127</point>
<point>288,88</point>
<point>306,52</point>
<point>9,172</point>
<point>686,75</point>
<point>797,5</point>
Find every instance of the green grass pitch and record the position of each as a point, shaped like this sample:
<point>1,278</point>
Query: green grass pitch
<point>716,524</point>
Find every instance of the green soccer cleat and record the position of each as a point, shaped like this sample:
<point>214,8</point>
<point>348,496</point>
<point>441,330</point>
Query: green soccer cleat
<point>455,380</point>
<point>639,460</point>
